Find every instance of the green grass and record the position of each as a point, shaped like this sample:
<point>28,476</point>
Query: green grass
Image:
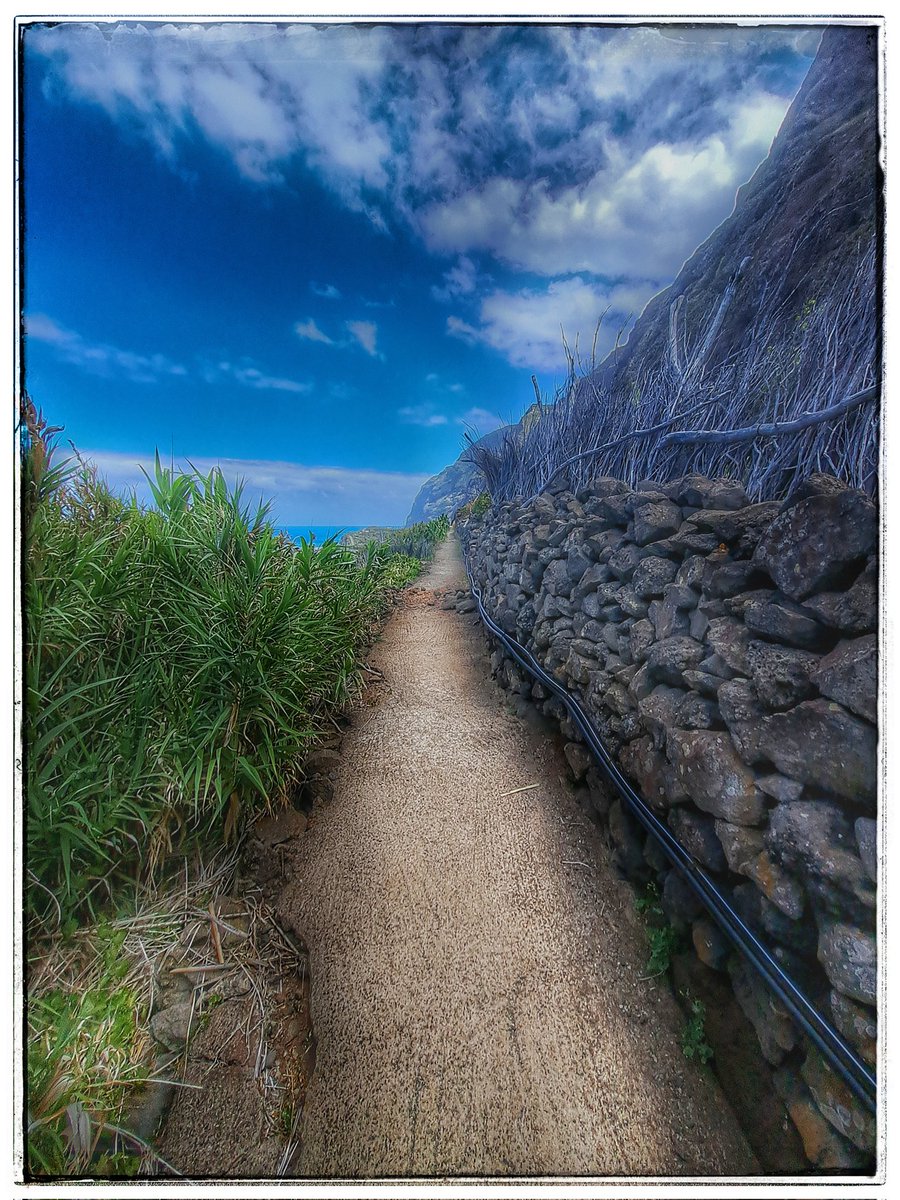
<point>87,1050</point>
<point>180,661</point>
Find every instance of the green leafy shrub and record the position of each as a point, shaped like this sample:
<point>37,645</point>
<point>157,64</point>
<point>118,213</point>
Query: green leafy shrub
<point>179,661</point>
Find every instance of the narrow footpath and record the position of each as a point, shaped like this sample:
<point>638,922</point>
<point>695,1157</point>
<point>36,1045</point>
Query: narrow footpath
<point>479,982</point>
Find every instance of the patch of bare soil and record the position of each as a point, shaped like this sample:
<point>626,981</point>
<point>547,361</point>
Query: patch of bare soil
<point>478,971</point>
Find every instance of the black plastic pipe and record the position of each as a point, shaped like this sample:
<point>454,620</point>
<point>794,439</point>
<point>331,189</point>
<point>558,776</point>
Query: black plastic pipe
<point>836,1051</point>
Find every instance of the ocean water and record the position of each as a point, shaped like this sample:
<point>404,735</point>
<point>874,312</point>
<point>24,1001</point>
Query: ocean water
<point>319,532</point>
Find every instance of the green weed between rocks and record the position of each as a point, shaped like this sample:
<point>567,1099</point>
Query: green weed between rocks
<point>693,1037</point>
<point>664,941</point>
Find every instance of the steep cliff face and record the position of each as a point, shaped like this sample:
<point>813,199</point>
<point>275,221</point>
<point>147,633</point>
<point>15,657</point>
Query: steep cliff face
<point>461,481</point>
<point>797,223</point>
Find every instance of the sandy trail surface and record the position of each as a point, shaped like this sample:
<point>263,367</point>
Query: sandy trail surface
<point>479,989</point>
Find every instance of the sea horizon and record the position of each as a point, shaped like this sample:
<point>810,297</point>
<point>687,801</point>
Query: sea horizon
<point>318,533</point>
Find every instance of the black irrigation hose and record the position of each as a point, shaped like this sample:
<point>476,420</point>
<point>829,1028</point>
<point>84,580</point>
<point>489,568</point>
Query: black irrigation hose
<point>848,1065</point>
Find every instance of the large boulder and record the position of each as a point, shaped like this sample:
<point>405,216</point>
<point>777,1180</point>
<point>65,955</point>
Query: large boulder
<point>849,674</point>
<point>820,543</point>
<point>821,745</point>
<point>714,777</point>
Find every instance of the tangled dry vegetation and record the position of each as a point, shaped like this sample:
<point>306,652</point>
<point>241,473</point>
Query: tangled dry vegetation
<point>797,396</point>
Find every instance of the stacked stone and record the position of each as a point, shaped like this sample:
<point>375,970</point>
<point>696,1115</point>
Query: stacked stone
<point>727,652</point>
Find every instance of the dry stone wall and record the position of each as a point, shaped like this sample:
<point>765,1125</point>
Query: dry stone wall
<point>727,652</point>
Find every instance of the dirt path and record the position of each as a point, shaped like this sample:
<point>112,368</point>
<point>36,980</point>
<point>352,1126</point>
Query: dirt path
<point>477,968</point>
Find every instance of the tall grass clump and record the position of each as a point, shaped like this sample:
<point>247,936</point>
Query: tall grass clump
<point>806,368</point>
<point>416,542</point>
<point>179,660</point>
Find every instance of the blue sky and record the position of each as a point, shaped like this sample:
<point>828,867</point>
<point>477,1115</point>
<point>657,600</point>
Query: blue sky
<point>318,254</point>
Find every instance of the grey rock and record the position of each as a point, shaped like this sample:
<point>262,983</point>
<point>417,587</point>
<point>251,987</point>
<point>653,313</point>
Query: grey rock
<point>679,901</point>
<point>577,563</point>
<point>817,543</point>
<point>774,1029</point>
<point>849,956</point>
<point>757,911</point>
<point>714,777</point>
<point>680,597</point>
<point>866,831</point>
<point>857,1022</point>
<point>703,682</point>
<point>853,611</point>
<point>628,844</point>
<point>654,520</point>
<point>837,1103</point>
<point>747,855</point>
<point>729,639</point>
<point>652,575</point>
<point>779,787</point>
<point>821,745</point>
<point>653,773</point>
<point>710,944</point>
<point>849,674</point>
<point>715,664</point>
<point>641,684</point>
<point>699,625</point>
<point>785,622</point>
<point>641,637</point>
<point>658,711</point>
<point>697,833</point>
<point>668,620</point>
<point>579,758</point>
<point>623,563</point>
<point>729,577</point>
<point>701,492</point>
<point>782,675</point>
<point>690,573</point>
<point>739,529</point>
<point>738,604</point>
<point>630,603</point>
<point>595,575</point>
<point>170,1025</point>
<point>817,839</point>
<point>615,509</point>
<point>822,1144</point>
<point>668,659</point>
<point>698,712</point>
<point>738,702</point>
<point>603,485</point>
<point>740,845</point>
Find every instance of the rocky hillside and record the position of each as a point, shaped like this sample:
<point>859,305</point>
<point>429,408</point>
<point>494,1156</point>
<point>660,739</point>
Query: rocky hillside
<point>785,259</point>
<point>797,222</point>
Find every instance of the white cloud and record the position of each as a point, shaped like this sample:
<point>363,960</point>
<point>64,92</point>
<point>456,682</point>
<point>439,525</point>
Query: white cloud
<point>592,149</point>
<point>327,291</point>
<point>100,358</point>
<point>366,333</point>
<point>421,414</point>
<point>460,280</point>
<point>310,332</point>
<point>481,420</point>
<point>318,495</point>
<point>110,362</point>
<point>526,327</point>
